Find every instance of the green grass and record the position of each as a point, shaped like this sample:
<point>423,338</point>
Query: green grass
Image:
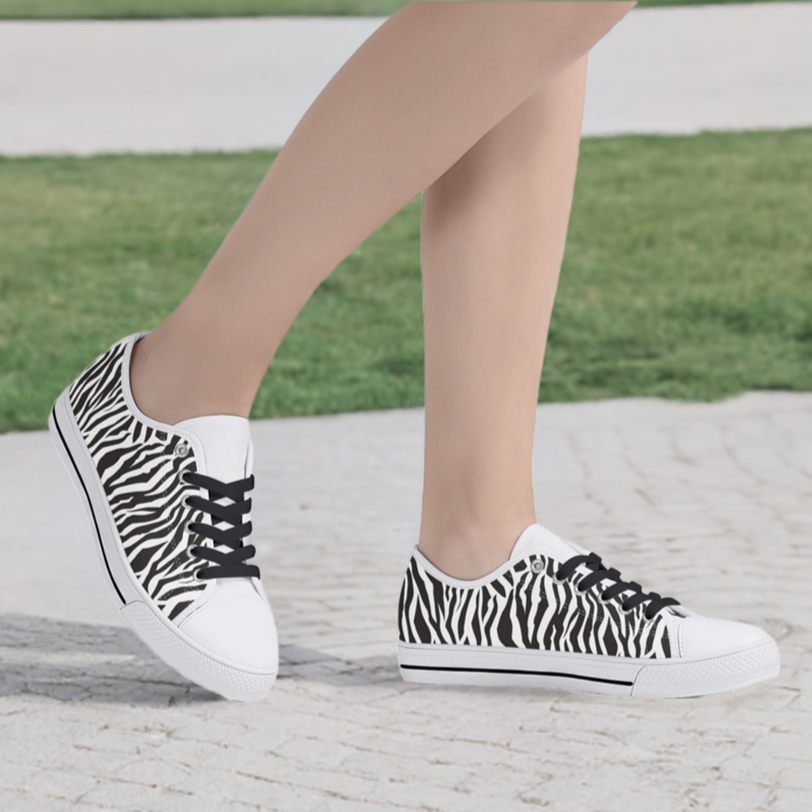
<point>152,9</point>
<point>688,274</point>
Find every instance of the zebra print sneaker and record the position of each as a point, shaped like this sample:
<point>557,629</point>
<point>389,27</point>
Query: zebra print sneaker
<point>554,616</point>
<point>168,512</point>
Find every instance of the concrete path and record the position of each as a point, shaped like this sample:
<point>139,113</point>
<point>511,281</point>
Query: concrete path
<point>710,503</point>
<point>87,87</point>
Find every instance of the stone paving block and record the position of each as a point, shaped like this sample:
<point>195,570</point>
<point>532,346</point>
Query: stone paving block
<point>344,805</point>
<point>14,775</point>
<point>728,797</point>
<point>59,784</point>
<point>137,797</point>
<point>785,799</point>
<point>775,772</point>
<point>417,795</point>
<point>152,771</point>
<point>783,745</point>
<point>25,802</point>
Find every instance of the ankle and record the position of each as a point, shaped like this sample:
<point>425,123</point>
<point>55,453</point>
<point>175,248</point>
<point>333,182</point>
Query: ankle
<point>150,397</point>
<point>170,390</point>
<point>471,549</point>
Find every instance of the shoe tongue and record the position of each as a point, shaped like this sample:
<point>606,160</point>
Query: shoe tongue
<point>536,539</point>
<point>226,441</point>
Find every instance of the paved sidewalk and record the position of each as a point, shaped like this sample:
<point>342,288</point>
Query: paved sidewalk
<point>174,86</point>
<point>711,503</point>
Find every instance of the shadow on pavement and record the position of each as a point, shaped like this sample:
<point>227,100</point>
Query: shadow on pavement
<point>78,662</point>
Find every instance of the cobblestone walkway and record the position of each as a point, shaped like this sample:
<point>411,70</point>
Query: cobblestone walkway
<point>709,503</point>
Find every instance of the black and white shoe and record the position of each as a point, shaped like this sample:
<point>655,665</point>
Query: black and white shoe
<point>169,516</point>
<point>554,616</point>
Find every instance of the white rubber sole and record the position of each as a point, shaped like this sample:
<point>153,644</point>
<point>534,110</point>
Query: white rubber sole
<point>165,639</point>
<point>590,673</point>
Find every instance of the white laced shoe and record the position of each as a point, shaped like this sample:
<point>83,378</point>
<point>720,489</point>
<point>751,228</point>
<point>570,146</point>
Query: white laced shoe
<point>169,517</point>
<point>555,616</point>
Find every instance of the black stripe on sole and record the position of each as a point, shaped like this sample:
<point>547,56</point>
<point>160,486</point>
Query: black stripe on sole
<point>90,504</point>
<point>515,671</point>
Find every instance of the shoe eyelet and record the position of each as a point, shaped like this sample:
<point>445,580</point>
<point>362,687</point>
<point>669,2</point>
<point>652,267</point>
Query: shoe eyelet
<point>601,599</point>
<point>537,565</point>
<point>558,580</point>
<point>186,503</point>
<point>188,528</point>
<point>182,449</point>
<point>626,611</point>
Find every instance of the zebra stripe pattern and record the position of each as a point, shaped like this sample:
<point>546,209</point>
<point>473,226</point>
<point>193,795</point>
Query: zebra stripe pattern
<point>141,477</point>
<point>526,608</point>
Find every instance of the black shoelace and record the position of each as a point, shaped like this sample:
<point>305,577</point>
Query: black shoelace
<point>227,564</point>
<point>600,572</point>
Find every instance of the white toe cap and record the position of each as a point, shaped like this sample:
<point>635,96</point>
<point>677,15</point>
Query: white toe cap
<point>709,637</point>
<point>237,628</point>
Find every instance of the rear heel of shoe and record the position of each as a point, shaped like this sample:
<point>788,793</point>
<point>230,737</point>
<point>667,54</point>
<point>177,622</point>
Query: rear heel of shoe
<point>63,431</point>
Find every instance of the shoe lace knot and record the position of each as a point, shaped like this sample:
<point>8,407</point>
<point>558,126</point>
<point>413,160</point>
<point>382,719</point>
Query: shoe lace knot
<point>227,528</point>
<point>600,573</point>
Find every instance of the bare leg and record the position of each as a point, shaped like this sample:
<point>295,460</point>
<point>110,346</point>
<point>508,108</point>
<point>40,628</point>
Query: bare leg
<point>493,235</point>
<point>419,93</point>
